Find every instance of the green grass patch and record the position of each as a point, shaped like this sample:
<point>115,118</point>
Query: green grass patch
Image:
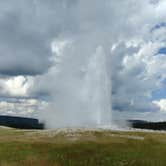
<point>89,149</point>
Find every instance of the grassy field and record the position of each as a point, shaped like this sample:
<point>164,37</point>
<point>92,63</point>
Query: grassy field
<point>81,148</point>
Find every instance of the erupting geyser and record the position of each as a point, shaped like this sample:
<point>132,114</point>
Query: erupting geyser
<point>82,96</point>
<point>98,88</point>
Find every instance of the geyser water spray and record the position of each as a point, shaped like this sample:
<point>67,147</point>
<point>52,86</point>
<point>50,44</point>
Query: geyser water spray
<point>98,88</point>
<point>82,88</point>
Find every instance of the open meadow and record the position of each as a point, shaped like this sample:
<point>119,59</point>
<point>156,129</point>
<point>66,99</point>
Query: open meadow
<point>81,147</point>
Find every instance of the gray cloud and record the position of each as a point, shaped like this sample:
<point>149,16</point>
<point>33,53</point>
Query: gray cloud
<point>26,33</point>
<point>28,27</point>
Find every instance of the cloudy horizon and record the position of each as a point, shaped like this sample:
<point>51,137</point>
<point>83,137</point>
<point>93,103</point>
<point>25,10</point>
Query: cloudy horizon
<point>37,37</point>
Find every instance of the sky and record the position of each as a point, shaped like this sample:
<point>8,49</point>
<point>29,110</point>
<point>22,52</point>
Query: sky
<point>37,37</point>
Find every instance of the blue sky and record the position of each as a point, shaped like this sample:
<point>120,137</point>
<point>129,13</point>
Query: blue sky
<point>162,51</point>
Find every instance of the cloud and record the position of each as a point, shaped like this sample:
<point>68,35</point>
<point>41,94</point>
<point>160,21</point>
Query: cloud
<point>137,72</point>
<point>21,107</point>
<point>161,103</point>
<point>25,39</point>
<point>46,46</point>
<point>135,66</point>
<point>15,86</point>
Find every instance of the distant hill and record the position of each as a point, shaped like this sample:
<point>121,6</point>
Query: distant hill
<point>140,124</point>
<point>20,122</point>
